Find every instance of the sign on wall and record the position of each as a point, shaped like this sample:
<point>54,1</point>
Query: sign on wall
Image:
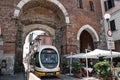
<point>110,44</point>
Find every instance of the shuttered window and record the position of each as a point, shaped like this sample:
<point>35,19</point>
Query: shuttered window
<point>112,25</point>
<point>108,4</point>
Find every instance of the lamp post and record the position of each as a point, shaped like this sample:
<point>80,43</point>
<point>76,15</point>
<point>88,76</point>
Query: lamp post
<point>109,34</point>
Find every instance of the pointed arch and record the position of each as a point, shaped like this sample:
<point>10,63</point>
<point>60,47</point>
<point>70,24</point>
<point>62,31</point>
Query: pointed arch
<point>91,30</point>
<point>56,2</point>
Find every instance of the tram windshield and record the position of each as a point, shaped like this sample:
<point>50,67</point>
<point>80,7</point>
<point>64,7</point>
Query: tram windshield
<point>49,56</point>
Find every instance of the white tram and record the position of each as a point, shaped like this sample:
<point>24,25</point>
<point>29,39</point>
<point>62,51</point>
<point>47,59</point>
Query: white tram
<point>46,61</point>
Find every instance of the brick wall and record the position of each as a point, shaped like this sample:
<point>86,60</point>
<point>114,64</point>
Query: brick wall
<point>80,17</point>
<point>66,35</point>
<point>7,25</point>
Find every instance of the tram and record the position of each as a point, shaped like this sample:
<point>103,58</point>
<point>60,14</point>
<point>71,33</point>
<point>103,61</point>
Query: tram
<point>46,61</point>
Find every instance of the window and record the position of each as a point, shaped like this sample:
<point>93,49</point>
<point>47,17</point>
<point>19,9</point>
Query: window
<point>91,5</point>
<point>79,4</point>
<point>112,25</point>
<point>108,4</point>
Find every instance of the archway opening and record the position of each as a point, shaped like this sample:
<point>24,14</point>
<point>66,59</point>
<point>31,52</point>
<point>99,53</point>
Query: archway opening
<point>26,45</point>
<point>48,15</point>
<point>86,41</point>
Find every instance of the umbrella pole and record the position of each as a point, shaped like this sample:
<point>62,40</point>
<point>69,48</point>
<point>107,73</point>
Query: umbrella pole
<point>111,64</point>
<point>86,62</point>
<point>71,65</point>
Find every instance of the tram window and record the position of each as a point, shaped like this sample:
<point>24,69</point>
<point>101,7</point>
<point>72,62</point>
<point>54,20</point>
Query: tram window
<point>49,56</point>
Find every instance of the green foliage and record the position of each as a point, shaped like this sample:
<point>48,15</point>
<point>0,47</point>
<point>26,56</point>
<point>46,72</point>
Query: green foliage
<point>118,64</point>
<point>64,66</point>
<point>77,66</point>
<point>102,68</point>
<point>64,63</point>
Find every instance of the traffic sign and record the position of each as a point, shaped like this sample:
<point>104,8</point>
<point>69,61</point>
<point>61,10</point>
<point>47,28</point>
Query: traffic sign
<point>110,44</point>
<point>110,38</point>
<point>109,33</point>
<point>119,74</point>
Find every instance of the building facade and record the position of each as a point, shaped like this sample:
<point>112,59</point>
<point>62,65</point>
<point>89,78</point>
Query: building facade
<point>112,7</point>
<point>73,25</point>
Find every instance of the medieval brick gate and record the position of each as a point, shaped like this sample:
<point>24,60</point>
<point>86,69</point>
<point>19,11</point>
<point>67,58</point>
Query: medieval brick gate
<point>65,23</point>
<point>49,16</point>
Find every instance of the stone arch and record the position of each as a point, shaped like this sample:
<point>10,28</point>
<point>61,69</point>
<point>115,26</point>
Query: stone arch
<point>45,28</point>
<point>90,30</point>
<point>24,5</point>
<point>56,2</point>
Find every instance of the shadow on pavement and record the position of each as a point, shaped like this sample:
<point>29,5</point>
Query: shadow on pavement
<point>17,76</point>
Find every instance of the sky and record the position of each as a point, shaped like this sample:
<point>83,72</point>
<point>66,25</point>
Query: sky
<point>26,45</point>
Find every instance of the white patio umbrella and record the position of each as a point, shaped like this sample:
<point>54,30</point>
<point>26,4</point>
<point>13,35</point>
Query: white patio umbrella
<point>103,53</point>
<point>95,54</point>
<point>71,56</point>
<point>81,55</point>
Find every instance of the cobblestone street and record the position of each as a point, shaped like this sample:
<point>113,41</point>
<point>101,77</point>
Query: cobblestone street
<point>20,76</point>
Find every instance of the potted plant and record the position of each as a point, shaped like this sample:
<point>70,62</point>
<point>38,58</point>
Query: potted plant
<point>77,68</point>
<point>102,69</point>
<point>64,66</point>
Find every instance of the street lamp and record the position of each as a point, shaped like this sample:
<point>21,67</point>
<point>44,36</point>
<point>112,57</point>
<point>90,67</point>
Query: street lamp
<point>107,16</point>
<point>109,33</point>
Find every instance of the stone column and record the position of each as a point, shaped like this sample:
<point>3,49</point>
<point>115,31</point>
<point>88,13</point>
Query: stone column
<point>78,46</point>
<point>9,45</point>
<point>19,48</point>
<point>70,40</point>
<point>58,40</point>
<point>102,43</point>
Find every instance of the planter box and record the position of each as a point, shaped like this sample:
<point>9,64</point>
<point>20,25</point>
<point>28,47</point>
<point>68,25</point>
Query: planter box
<point>77,75</point>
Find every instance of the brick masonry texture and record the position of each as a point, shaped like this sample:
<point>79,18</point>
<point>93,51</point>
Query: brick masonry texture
<point>66,35</point>
<point>78,18</point>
